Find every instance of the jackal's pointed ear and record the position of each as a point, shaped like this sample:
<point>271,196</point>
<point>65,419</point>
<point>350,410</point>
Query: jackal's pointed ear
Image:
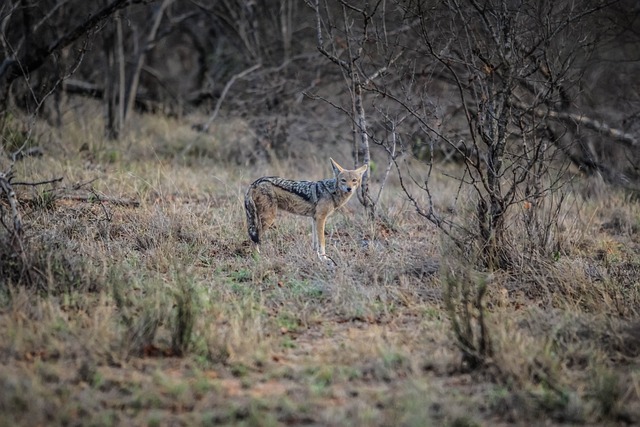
<point>336,167</point>
<point>362,169</point>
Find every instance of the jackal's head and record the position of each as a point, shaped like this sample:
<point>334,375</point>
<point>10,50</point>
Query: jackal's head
<point>347,180</point>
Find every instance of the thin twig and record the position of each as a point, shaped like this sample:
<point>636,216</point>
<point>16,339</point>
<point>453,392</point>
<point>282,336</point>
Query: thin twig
<point>107,215</point>
<point>95,198</point>
<point>34,184</point>
<point>224,93</point>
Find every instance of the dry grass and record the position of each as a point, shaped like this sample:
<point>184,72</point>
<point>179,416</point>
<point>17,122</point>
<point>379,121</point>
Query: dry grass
<point>161,314</point>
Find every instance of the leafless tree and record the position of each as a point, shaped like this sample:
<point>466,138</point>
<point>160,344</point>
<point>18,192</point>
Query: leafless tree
<point>490,83</point>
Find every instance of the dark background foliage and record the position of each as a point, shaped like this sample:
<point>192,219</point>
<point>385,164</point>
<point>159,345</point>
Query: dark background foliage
<point>574,67</point>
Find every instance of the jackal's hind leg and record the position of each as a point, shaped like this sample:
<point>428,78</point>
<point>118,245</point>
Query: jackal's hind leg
<point>314,235</point>
<point>267,208</point>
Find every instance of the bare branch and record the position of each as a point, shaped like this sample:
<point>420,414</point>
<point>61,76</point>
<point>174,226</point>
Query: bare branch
<point>96,198</point>
<point>627,139</point>
<point>34,184</point>
<point>227,86</point>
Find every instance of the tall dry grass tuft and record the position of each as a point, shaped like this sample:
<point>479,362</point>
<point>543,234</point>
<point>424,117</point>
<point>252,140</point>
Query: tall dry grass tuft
<point>464,295</point>
<point>184,317</point>
<point>144,311</point>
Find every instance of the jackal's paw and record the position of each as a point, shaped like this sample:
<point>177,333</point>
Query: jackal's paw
<point>325,258</point>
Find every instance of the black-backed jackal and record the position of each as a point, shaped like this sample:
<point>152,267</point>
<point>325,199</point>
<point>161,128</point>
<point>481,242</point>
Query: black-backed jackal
<point>315,199</point>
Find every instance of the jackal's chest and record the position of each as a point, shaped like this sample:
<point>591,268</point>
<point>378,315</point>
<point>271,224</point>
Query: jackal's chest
<point>341,198</point>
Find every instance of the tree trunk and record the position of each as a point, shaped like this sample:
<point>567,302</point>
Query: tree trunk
<point>362,154</point>
<point>132,87</point>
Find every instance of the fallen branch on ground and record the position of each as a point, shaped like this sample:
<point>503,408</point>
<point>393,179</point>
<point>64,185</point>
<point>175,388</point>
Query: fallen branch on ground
<point>96,198</point>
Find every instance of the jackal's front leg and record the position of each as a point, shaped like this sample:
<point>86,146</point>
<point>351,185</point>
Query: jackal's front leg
<point>318,225</point>
<point>318,240</point>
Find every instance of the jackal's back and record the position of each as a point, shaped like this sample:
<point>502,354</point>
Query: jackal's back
<point>308,190</point>
<point>298,197</point>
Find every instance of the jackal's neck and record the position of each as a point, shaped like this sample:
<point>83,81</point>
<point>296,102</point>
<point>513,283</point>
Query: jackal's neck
<point>339,196</point>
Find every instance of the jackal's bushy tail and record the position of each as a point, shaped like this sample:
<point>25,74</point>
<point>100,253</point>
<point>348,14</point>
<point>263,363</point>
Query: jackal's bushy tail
<point>253,222</point>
